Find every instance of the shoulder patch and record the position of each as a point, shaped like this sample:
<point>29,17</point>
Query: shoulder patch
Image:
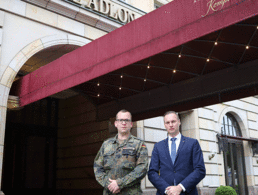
<point>143,145</point>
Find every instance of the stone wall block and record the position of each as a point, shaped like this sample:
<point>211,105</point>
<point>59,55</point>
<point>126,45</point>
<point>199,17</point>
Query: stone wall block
<point>18,7</point>
<point>70,25</point>
<point>150,147</point>
<point>93,33</point>
<point>63,8</point>
<point>256,180</point>
<point>190,133</point>
<point>88,17</point>
<point>252,125</point>
<point>75,40</point>
<point>1,35</point>
<point>157,122</point>
<point>1,161</point>
<point>243,105</point>
<point>206,124</point>
<point>253,133</point>
<point>52,40</point>
<point>2,18</point>
<point>106,24</point>
<point>8,77</point>
<point>250,100</point>
<point>18,61</point>
<point>33,48</point>
<point>220,158</point>
<point>188,121</point>
<point>155,135</point>
<point>4,93</point>
<point>41,15</point>
<point>255,161</point>
<point>204,145</point>
<point>250,180</point>
<point>206,113</point>
<point>2,124</point>
<point>252,116</point>
<point>211,181</point>
<point>212,169</point>
<point>255,171</point>
<point>207,135</point>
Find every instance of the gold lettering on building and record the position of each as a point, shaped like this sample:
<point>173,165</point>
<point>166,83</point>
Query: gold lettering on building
<point>215,5</point>
<point>108,8</point>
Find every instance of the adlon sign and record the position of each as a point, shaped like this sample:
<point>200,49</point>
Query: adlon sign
<point>108,8</point>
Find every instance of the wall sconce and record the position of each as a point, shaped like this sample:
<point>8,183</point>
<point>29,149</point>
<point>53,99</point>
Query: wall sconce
<point>13,103</point>
<point>211,156</point>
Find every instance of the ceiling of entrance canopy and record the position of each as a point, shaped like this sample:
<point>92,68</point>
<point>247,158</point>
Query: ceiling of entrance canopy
<point>229,47</point>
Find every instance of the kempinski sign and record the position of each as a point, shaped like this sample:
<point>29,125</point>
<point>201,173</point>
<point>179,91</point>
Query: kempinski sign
<point>109,8</point>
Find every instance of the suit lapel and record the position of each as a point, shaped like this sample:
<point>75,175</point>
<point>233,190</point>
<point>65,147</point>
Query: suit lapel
<point>167,152</point>
<point>181,145</point>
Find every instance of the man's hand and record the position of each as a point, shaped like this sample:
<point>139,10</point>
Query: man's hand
<point>113,187</point>
<point>174,190</point>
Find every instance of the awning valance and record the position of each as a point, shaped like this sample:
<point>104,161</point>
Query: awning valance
<point>167,27</point>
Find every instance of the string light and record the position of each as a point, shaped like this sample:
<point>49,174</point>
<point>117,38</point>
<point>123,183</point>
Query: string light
<point>121,76</point>
<point>247,47</point>
<point>208,60</point>
<point>120,88</point>
<point>98,84</point>
<point>144,80</point>
<point>174,71</point>
<point>216,43</point>
<point>179,55</point>
<point>148,66</point>
<point>98,95</point>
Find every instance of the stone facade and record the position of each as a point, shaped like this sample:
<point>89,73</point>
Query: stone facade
<point>30,26</point>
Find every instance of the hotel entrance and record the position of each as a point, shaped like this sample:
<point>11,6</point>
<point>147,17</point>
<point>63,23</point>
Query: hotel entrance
<point>30,149</point>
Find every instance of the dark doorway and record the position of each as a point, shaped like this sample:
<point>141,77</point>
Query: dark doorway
<point>30,149</point>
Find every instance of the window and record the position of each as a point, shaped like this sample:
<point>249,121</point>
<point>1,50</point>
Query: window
<point>234,163</point>
<point>230,126</point>
<point>157,4</point>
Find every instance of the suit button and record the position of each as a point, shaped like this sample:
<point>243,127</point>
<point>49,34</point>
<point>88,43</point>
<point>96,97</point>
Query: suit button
<point>174,171</point>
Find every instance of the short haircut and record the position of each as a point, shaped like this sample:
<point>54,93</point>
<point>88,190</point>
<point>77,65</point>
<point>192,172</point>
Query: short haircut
<point>172,112</point>
<point>123,110</point>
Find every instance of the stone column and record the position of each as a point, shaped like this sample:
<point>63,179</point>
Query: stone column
<point>2,133</point>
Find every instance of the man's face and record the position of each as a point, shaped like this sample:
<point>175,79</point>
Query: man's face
<point>123,122</point>
<point>172,124</point>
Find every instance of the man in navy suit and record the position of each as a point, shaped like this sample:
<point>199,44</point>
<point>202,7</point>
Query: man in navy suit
<point>177,164</point>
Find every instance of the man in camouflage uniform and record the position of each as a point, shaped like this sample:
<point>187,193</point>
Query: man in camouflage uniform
<point>122,161</point>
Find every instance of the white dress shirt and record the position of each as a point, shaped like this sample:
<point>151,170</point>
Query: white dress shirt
<point>178,139</point>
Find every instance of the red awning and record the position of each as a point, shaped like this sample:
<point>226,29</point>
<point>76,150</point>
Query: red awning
<point>167,27</point>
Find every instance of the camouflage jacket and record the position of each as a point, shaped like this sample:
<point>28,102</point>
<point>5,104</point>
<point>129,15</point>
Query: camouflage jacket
<point>126,163</point>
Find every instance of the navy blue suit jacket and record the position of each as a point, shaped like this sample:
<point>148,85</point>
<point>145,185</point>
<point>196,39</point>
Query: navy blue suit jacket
<point>188,168</point>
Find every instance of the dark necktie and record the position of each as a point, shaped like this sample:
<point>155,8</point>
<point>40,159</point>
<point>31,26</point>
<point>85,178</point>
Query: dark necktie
<point>173,149</point>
